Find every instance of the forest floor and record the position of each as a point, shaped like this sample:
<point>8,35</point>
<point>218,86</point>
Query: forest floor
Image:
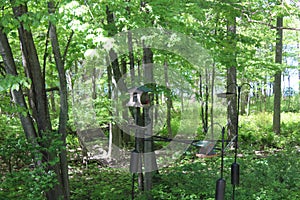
<point>269,169</point>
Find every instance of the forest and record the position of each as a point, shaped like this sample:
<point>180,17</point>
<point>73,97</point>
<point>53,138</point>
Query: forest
<point>161,99</point>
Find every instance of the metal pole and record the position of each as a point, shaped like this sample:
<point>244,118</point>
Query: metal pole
<point>235,166</point>
<point>222,152</point>
<point>237,122</point>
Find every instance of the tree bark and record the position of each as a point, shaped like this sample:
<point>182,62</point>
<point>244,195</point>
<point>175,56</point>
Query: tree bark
<point>149,155</point>
<point>39,103</point>
<point>63,115</point>
<point>232,81</point>
<point>32,64</point>
<point>117,74</point>
<point>277,80</point>
<point>206,99</point>
<point>17,95</point>
<point>125,136</point>
<point>39,99</point>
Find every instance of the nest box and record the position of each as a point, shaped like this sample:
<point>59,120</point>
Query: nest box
<point>139,97</point>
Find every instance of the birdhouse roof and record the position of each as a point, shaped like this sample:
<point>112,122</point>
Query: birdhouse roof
<point>140,89</point>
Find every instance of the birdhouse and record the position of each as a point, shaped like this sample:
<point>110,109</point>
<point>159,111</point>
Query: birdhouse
<point>139,97</point>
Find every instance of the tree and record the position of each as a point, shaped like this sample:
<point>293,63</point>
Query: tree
<point>277,80</point>
<point>63,115</point>
<point>37,97</point>
<point>232,75</point>
<point>17,95</point>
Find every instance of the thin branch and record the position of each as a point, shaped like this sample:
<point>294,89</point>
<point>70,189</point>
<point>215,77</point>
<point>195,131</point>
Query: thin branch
<point>2,68</point>
<point>52,89</point>
<point>67,47</point>
<point>272,26</point>
<point>87,5</point>
<point>45,54</point>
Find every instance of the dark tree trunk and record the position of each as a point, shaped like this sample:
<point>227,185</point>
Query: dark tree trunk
<point>17,95</point>
<point>277,80</point>
<point>32,64</point>
<point>202,103</point>
<point>63,115</point>
<point>117,74</point>
<point>38,91</point>
<point>125,136</point>
<point>212,93</point>
<point>206,98</point>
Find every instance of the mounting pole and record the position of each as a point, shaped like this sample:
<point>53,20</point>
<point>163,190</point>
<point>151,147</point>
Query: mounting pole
<point>221,183</point>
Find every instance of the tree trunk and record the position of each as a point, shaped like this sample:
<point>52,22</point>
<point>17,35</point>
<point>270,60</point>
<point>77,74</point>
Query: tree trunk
<point>169,101</point>
<point>94,90</point>
<point>63,115</point>
<point>109,83</point>
<point>116,131</point>
<point>298,47</point>
<point>265,94</point>
<point>149,155</point>
<point>131,57</point>
<point>32,64</point>
<point>206,98</point>
<point>38,97</point>
<point>17,95</point>
<point>52,101</point>
<point>125,136</point>
<point>232,81</point>
<point>212,93</point>
<point>244,100</point>
<point>232,102</point>
<point>202,103</point>
<point>277,80</point>
<point>259,96</point>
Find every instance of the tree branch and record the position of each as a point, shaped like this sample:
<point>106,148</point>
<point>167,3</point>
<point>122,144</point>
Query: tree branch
<point>272,26</point>
<point>45,54</point>
<point>67,47</point>
<point>52,89</point>
<point>2,69</point>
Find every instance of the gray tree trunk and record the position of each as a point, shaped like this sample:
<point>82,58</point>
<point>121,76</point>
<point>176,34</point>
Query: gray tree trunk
<point>149,155</point>
<point>17,95</point>
<point>232,81</point>
<point>277,80</point>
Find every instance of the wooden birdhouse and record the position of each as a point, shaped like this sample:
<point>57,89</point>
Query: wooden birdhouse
<point>139,97</point>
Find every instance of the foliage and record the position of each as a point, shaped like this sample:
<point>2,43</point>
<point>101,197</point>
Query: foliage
<point>95,183</point>
<point>83,25</point>
<point>23,174</point>
<point>27,183</point>
<point>256,130</point>
<point>276,176</point>
<point>266,173</point>
<point>273,176</point>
